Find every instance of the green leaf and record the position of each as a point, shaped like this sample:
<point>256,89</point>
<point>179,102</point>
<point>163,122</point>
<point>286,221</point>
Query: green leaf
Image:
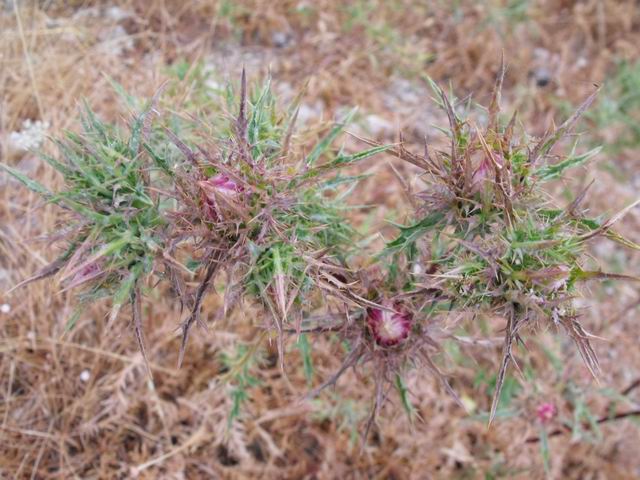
<point>136,134</point>
<point>63,169</point>
<point>112,247</point>
<point>128,99</point>
<point>408,235</point>
<point>123,294</point>
<point>339,162</point>
<point>403,391</point>
<point>618,238</point>
<point>342,160</point>
<point>25,180</point>
<point>82,210</point>
<point>544,449</point>
<point>549,172</point>
<point>334,182</point>
<point>91,123</point>
<point>305,351</point>
<point>73,319</point>
<point>577,274</point>
<point>328,140</point>
<point>159,160</point>
<point>258,113</point>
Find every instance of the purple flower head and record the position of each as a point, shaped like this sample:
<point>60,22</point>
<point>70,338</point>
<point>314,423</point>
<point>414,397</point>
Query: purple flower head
<point>389,328</point>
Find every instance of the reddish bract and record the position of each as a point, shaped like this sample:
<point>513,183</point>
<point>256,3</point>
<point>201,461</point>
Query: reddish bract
<point>389,328</point>
<point>219,184</point>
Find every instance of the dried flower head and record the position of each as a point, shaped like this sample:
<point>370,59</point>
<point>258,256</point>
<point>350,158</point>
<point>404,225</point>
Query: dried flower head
<point>389,325</point>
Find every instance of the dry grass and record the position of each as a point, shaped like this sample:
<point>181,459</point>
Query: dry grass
<point>79,404</point>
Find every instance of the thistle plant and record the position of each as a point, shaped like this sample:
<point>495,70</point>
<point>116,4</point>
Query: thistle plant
<point>486,238</point>
<point>245,200</point>
<point>250,205</point>
<point>114,227</point>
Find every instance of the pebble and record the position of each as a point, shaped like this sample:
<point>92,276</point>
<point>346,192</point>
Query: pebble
<point>281,39</point>
<point>310,112</point>
<point>377,126</point>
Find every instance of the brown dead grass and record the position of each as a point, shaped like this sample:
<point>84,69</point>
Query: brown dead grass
<point>56,423</point>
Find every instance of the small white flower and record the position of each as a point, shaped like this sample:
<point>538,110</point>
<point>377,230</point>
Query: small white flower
<point>30,136</point>
<point>5,308</point>
<point>212,84</point>
<point>117,14</point>
<point>85,375</point>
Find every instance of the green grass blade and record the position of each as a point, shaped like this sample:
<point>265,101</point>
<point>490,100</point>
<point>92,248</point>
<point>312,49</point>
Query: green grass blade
<point>257,114</point>
<point>159,160</point>
<point>403,391</point>
<point>305,352</point>
<point>128,99</point>
<point>328,140</point>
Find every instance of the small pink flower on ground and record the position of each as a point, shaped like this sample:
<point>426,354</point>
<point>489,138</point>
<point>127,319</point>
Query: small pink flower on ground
<point>546,412</point>
<point>389,327</point>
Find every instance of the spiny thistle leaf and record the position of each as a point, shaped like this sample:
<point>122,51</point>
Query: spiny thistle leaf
<point>32,185</point>
<point>551,172</point>
<point>328,140</point>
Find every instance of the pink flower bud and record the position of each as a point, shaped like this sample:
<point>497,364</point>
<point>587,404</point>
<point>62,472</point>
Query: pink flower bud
<point>546,412</point>
<point>484,171</point>
<point>389,327</point>
<point>86,273</point>
<point>481,173</point>
<point>219,184</point>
